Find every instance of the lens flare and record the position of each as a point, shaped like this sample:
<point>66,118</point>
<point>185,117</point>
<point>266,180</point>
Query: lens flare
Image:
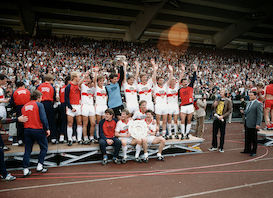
<point>178,34</point>
<point>174,41</point>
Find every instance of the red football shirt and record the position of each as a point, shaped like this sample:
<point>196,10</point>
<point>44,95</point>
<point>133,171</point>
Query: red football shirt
<point>109,128</point>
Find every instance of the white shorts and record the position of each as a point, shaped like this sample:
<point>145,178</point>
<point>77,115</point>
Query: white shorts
<point>150,106</point>
<point>132,108</point>
<point>188,109</point>
<point>161,109</point>
<point>88,110</point>
<point>173,109</point>
<point>127,139</point>
<point>3,112</point>
<point>150,139</point>
<point>100,109</point>
<point>73,114</point>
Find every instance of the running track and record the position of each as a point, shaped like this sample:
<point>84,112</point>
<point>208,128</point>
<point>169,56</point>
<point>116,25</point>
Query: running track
<point>229,174</point>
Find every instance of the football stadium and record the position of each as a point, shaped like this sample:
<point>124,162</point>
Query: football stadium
<point>147,98</point>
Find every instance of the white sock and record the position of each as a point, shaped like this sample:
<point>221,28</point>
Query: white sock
<point>79,132</point>
<point>182,126</point>
<point>169,126</point>
<point>69,133</point>
<point>61,138</point>
<point>175,129</point>
<point>124,150</point>
<point>39,166</point>
<point>158,154</point>
<point>164,133</point>
<point>74,138</point>
<point>85,138</point>
<point>138,150</point>
<point>26,170</point>
<point>188,128</point>
<point>146,155</point>
<point>91,137</point>
<point>97,131</point>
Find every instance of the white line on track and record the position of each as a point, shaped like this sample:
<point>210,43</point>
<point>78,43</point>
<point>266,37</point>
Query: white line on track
<point>264,159</point>
<point>225,189</point>
<point>131,176</point>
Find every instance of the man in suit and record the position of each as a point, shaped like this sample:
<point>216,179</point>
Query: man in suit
<point>253,119</point>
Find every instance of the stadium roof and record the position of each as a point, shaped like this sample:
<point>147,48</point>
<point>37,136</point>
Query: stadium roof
<point>224,23</point>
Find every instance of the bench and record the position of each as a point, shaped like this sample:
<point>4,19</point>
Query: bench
<point>61,154</point>
<point>267,135</point>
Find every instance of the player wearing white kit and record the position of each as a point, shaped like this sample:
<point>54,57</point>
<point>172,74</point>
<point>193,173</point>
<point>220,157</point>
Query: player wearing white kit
<point>101,99</point>
<point>172,100</point>
<point>122,132</point>
<point>160,98</point>
<point>141,113</point>
<point>144,89</point>
<point>130,89</point>
<point>152,139</point>
<point>3,100</point>
<point>88,110</point>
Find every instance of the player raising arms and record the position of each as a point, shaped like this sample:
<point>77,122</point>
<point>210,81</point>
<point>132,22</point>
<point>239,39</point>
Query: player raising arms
<point>185,93</point>
<point>144,89</point>
<point>124,135</point>
<point>113,91</point>
<point>160,96</point>
<point>130,89</point>
<point>88,110</point>
<point>172,100</point>
<point>101,98</point>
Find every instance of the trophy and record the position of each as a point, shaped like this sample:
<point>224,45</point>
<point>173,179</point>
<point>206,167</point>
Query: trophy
<point>120,58</point>
<point>138,129</point>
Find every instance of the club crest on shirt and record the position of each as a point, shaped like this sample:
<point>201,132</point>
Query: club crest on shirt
<point>45,89</point>
<point>22,92</point>
<point>29,108</point>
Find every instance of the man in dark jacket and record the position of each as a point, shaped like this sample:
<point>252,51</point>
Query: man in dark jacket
<point>35,129</point>
<point>107,128</point>
<point>222,109</point>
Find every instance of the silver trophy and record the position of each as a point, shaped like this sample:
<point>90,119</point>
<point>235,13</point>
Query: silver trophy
<point>138,129</point>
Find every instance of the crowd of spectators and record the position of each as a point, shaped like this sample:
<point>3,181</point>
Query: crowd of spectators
<point>27,59</point>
